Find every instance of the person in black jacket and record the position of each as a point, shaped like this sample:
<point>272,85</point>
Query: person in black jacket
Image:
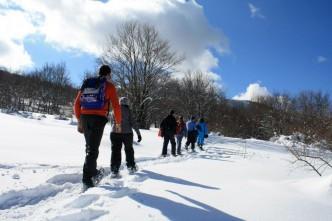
<point>168,131</point>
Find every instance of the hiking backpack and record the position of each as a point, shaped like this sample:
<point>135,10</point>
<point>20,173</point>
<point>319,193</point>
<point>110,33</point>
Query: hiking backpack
<point>93,93</point>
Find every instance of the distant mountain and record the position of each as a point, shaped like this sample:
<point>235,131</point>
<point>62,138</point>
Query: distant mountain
<point>238,103</point>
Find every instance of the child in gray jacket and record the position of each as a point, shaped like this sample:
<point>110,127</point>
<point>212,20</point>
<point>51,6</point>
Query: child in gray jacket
<point>124,137</point>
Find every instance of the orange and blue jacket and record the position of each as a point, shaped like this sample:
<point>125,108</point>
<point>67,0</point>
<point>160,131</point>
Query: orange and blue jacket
<point>111,97</point>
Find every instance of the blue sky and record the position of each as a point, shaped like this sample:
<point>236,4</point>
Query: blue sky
<point>76,62</point>
<point>249,47</point>
<point>281,49</point>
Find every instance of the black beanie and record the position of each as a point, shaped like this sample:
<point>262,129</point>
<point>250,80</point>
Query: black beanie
<point>104,70</point>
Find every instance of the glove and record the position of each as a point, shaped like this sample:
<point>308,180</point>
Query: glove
<point>161,133</point>
<point>206,136</point>
<point>80,127</point>
<point>118,128</point>
<point>139,138</point>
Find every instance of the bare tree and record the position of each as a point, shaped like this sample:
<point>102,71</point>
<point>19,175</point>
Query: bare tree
<point>197,94</point>
<point>313,115</point>
<point>194,94</point>
<point>281,112</point>
<point>140,61</point>
<point>316,156</point>
<point>44,90</point>
<point>54,87</point>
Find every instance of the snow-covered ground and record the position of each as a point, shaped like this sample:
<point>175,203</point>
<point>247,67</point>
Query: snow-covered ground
<point>234,179</point>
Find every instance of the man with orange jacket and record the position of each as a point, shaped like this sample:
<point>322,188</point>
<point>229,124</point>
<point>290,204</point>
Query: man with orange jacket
<point>91,122</point>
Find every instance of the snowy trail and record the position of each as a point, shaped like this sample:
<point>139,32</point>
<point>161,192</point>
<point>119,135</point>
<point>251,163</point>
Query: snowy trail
<point>233,179</point>
<point>62,192</point>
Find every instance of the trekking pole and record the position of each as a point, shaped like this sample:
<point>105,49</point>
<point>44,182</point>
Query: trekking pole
<point>245,149</point>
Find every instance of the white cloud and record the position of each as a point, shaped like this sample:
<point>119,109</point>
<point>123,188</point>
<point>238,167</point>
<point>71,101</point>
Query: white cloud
<point>201,62</point>
<point>255,12</point>
<point>84,24</point>
<point>13,55</point>
<point>321,59</point>
<point>254,91</point>
<point>15,27</point>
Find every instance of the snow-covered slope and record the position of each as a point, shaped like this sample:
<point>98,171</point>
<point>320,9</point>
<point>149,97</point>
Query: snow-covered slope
<point>234,179</point>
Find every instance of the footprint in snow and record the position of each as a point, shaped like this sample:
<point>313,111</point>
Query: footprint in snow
<point>83,201</point>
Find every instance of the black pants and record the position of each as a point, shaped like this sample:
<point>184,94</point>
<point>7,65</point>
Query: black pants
<point>179,142</point>
<point>191,139</point>
<point>167,138</point>
<point>117,140</point>
<point>93,126</point>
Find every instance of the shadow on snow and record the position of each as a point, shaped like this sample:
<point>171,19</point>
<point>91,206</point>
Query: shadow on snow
<point>157,176</point>
<point>177,211</point>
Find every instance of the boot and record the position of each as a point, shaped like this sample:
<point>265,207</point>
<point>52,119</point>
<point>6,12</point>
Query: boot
<point>201,147</point>
<point>132,169</point>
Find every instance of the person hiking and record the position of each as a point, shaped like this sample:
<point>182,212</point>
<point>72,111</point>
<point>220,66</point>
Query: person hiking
<point>202,133</point>
<point>168,131</point>
<point>91,108</point>
<point>124,137</point>
<point>181,131</point>
<point>191,133</point>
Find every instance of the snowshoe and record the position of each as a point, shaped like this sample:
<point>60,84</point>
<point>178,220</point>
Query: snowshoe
<point>97,178</point>
<point>115,174</point>
<point>132,169</point>
<point>85,187</point>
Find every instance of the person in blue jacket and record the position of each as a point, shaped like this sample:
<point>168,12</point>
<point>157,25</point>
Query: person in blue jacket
<point>191,133</point>
<point>202,133</point>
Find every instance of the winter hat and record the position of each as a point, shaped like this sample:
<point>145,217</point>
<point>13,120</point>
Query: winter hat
<point>172,112</point>
<point>124,101</point>
<point>104,70</point>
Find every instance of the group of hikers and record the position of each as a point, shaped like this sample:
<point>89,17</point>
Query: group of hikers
<point>193,131</point>
<point>92,107</point>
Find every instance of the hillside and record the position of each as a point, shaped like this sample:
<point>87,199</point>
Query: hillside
<point>41,162</point>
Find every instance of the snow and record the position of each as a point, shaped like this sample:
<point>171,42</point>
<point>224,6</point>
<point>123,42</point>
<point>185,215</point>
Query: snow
<point>41,161</point>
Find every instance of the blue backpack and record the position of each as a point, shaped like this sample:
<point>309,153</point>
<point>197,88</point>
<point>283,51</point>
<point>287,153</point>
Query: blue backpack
<point>93,93</point>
